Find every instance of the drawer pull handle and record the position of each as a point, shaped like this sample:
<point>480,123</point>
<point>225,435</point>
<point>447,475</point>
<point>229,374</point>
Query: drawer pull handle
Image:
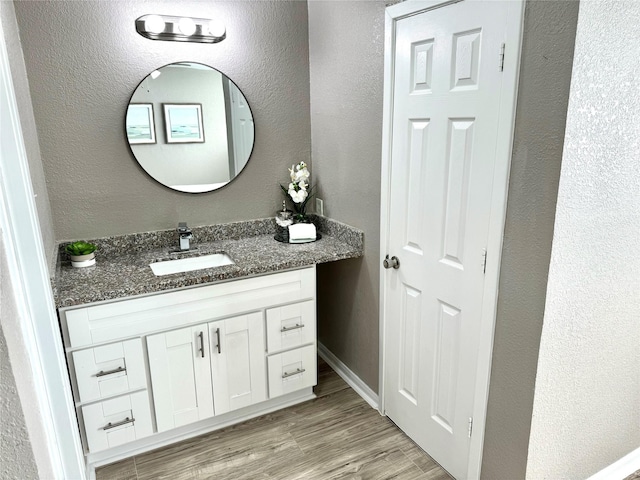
<point>295,327</point>
<point>291,374</point>
<point>110,425</point>
<point>201,337</point>
<point>102,373</point>
<point>218,339</point>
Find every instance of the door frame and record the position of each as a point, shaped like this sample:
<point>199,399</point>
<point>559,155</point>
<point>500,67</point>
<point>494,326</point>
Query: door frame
<point>43,384</point>
<point>504,146</point>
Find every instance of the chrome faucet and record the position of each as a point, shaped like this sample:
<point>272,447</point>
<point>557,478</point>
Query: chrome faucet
<point>185,235</point>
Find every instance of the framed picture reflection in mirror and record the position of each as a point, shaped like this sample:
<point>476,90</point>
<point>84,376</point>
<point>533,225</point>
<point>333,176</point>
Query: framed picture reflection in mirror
<point>139,124</point>
<point>183,122</point>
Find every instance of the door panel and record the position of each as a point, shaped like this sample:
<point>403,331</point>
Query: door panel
<point>446,104</point>
<point>238,362</point>
<point>180,376</point>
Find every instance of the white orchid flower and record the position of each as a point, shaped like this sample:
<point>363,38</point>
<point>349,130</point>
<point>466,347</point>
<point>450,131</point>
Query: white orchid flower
<point>303,185</point>
<point>302,175</point>
<point>299,196</point>
<point>292,173</point>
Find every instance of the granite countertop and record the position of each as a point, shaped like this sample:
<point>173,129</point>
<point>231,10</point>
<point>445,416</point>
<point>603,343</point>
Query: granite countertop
<point>122,263</point>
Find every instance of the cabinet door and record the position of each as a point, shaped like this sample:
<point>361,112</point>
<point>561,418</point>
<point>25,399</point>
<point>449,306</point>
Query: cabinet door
<point>180,376</point>
<point>238,362</point>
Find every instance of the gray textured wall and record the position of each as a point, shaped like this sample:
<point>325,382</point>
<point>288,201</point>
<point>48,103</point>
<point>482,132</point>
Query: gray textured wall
<point>591,322</point>
<point>15,448</point>
<point>545,73</point>
<point>16,454</point>
<point>29,132</point>
<point>84,59</point>
<point>346,47</point>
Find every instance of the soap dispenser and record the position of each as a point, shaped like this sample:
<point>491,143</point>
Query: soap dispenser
<point>284,218</point>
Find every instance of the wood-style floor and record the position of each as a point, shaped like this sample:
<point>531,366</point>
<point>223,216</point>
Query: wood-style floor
<point>336,436</point>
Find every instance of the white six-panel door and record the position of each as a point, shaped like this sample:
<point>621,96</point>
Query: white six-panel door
<point>447,89</point>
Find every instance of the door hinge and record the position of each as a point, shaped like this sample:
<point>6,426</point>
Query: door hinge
<point>484,260</point>
<point>501,58</point>
<point>470,426</point>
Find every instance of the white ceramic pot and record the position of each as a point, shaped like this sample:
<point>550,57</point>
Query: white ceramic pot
<point>79,261</point>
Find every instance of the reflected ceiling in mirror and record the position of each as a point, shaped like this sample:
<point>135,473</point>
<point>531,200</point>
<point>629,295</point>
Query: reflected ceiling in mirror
<point>190,127</point>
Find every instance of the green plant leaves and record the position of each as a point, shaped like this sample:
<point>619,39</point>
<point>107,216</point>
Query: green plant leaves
<point>80,248</point>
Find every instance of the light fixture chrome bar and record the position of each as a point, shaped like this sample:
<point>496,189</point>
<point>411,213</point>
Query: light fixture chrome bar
<point>181,29</point>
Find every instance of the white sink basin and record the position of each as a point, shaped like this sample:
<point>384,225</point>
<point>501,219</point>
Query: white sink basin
<point>189,264</point>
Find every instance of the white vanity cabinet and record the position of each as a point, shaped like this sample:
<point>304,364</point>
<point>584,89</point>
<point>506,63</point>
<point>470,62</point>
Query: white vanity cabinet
<point>150,370</point>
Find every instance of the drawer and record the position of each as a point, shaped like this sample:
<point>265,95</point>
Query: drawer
<point>291,326</point>
<point>117,421</point>
<point>292,370</point>
<point>109,370</point>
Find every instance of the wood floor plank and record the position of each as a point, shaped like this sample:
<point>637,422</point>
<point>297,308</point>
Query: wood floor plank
<point>634,476</point>
<point>336,436</point>
<point>424,462</point>
<point>124,470</point>
<point>231,448</point>
<point>328,381</point>
<point>374,464</point>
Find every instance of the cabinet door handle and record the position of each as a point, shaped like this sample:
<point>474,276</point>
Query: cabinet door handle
<point>298,371</point>
<point>201,336</point>
<point>218,338</point>
<point>102,373</point>
<point>295,327</point>
<point>110,425</point>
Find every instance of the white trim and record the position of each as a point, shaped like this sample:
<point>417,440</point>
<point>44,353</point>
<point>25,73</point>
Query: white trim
<point>385,187</point>
<point>39,330</point>
<point>348,376</point>
<point>504,149</point>
<point>504,145</point>
<point>624,467</point>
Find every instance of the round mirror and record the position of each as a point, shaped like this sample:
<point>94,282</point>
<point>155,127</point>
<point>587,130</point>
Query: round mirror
<point>190,127</point>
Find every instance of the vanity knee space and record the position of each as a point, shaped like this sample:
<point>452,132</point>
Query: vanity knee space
<point>144,368</point>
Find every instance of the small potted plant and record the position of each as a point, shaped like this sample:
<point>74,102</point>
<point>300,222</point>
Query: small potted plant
<point>82,254</point>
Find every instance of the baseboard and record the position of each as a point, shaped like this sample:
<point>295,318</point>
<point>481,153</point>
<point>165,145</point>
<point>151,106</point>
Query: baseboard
<point>621,469</point>
<point>348,376</point>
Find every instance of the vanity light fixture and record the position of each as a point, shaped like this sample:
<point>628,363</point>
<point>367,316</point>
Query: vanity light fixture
<point>181,29</point>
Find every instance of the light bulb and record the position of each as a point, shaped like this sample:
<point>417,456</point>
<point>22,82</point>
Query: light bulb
<point>187,26</point>
<point>154,24</point>
<point>217,28</point>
